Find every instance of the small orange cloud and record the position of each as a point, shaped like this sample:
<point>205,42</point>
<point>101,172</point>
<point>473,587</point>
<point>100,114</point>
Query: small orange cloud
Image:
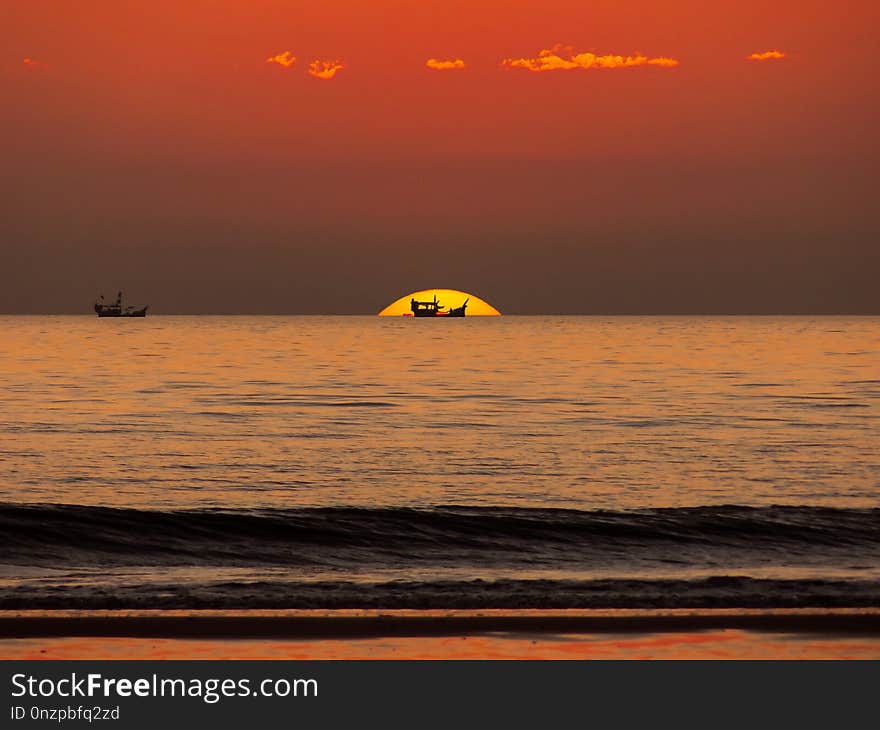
<point>664,62</point>
<point>285,59</point>
<point>560,58</point>
<point>773,55</point>
<point>325,69</point>
<point>445,64</point>
<point>34,64</point>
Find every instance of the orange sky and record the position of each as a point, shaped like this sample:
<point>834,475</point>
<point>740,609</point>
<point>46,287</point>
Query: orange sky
<point>161,125</point>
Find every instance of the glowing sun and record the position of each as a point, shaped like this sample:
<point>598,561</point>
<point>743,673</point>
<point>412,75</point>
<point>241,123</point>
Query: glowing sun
<point>447,299</point>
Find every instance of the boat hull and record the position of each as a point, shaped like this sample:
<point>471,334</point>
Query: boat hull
<point>129,313</point>
<point>436,314</point>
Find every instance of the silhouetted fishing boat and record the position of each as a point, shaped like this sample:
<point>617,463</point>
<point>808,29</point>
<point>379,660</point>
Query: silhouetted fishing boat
<point>117,310</point>
<point>435,309</point>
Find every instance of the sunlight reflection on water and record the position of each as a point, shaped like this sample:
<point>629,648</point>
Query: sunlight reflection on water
<point>581,412</point>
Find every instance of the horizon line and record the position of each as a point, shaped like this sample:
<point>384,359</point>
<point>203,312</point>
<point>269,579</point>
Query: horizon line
<point>476,316</point>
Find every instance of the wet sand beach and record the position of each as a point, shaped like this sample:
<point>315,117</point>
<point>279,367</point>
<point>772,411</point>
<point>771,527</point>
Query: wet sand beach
<point>493,634</point>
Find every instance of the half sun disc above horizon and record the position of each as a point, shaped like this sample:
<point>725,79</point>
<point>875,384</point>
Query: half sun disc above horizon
<point>446,298</point>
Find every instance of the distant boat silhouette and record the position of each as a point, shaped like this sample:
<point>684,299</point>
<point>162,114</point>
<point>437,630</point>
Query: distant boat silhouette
<point>434,309</point>
<point>117,310</point>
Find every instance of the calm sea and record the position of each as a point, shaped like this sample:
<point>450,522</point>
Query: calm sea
<point>513,461</point>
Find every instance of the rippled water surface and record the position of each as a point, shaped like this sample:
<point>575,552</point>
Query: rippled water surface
<point>578,412</point>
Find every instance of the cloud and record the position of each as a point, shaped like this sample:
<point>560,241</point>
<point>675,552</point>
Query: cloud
<point>444,64</point>
<point>285,59</point>
<point>773,55</point>
<point>34,64</point>
<point>560,58</point>
<point>325,69</point>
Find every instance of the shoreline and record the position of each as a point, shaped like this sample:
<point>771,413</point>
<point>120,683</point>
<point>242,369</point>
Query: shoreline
<point>373,624</point>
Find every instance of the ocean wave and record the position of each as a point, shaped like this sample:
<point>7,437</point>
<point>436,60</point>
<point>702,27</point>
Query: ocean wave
<point>713,592</point>
<point>349,536</point>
